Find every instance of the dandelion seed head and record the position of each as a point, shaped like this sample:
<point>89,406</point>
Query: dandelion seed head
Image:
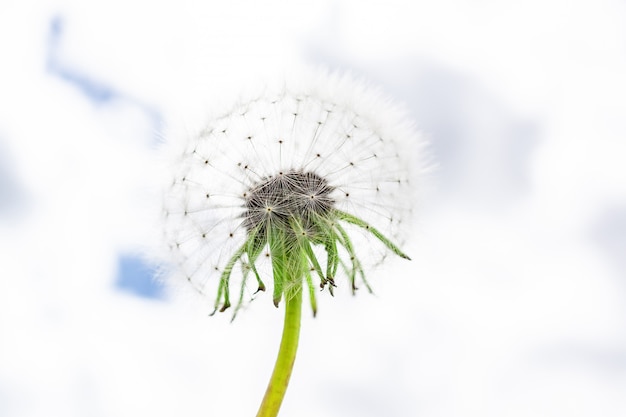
<point>293,150</point>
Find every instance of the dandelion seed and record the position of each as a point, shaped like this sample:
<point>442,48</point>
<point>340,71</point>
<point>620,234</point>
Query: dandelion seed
<point>313,179</point>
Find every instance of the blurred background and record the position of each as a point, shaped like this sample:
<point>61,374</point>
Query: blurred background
<point>514,303</point>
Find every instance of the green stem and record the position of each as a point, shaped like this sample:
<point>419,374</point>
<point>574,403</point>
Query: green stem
<point>286,355</point>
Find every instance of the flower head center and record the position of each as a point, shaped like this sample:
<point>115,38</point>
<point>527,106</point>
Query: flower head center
<point>302,196</point>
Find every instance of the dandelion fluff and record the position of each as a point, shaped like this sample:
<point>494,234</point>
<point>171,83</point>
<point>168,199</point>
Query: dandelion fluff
<point>305,151</point>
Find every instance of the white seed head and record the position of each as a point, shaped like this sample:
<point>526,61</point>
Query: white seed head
<point>293,150</point>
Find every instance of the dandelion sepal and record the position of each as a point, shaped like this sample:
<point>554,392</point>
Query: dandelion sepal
<point>278,253</point>
<point>358,222</point>
<point>253,250</point>
<point>346,242</point>
<point>224,287</point>
<point>312,296</point>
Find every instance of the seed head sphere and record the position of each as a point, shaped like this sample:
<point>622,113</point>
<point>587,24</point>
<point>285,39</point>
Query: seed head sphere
<point>326,167</point>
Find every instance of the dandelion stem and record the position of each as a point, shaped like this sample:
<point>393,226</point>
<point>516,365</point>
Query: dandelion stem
<point>286,355</point>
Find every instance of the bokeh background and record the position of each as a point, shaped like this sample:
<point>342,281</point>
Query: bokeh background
<point>514,303</point>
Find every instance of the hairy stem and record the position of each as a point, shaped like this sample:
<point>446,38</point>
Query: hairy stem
<point>286,355</point>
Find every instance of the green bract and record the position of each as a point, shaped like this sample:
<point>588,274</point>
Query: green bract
<point>291,230</point>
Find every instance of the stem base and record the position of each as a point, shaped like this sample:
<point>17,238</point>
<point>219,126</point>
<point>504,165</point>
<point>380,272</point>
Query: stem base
<point>286,356</point>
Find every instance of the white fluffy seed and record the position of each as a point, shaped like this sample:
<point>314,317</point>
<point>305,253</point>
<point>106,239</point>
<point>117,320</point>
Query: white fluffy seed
<point>333,126</point>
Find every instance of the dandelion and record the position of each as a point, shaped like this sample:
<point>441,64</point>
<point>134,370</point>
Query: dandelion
<point>301,183</point>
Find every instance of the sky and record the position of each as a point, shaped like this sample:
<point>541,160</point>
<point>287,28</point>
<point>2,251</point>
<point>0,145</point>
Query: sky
<point>513,304</point>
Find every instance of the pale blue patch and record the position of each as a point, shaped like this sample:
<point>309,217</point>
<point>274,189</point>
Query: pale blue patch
<point>472,134</point>
<point>137,277</point>
<point>609,233</point>
<point>97,91</point>
<point>11,195</point>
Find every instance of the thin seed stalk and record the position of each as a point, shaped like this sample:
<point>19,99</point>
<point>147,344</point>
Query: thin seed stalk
<point>286,355</point>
